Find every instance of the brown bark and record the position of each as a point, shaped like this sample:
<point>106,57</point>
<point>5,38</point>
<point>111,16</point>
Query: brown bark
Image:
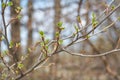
<point>30,31</point>
<point>15,27</point>
<point>57,8</point>
<point>29,24</point>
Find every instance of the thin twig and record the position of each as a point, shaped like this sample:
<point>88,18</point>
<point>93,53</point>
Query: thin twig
<point>92,55</point>
<point>96,26</point>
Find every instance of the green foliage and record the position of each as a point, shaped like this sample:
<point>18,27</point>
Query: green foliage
<point>4,53</point>
<point>2,38</point>
<point>29,50</point>
<point>113,7</point>
<point>46,41</point>
<point>79,19</point>
<point>62,28</point>
<point>4,76</point>
<point>11,44</point>
<point>57,34</point>
<point>76,27</point>
<point>10,3</point>
<point>18,9</point>
<point>88,36</point>
<point>59,24</point>
<point>19,16</point>
<point>20,65</point>
<point>17,45</point>
<point>60,41</point>
<point>41,33</point>
<point>42,43</point>
<point>46,47</point>
<point>3,5</point>
<point>94,20</point>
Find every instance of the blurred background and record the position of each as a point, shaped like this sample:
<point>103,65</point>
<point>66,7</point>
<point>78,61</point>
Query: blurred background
<point>44,15</point>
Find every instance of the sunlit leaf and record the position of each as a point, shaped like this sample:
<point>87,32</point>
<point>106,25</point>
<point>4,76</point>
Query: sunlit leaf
<point>46,41</point>
<point>76,27</point>
<point>62,28</point>
<point>19,16</point>
<point>2,38</point>
<point>4,53</point>
<point>42,44</point>
<point>29,49</point>
<point>11,44</point>
<point>17,45</point>
<point>46,47</point>
<point>94,21</point>
<point>60,24</point>
<point>20,65</point>
<point>3,5</point>
<point>41,33</point>
<point>18,9</point>
<point>113,7</point>
<point>60,41</point>
<point>79,19</point>
<point>57,34</point>
<point>88,36</point>
<point>10,3</point>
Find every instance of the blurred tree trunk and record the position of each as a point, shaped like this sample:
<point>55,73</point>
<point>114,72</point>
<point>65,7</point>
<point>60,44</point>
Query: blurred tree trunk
<point>15,27</point>
<point>30,60</point>
<point>29,24</point>
<point>95,50</point>
<point>30,31</point>
<point>57,8</point>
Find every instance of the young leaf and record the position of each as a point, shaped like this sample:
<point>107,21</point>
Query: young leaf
<point>76,27</point>
<point>60,24</point>
<point>94,21</point>
<point>3,5</point>
<point>46,41</point>
<point>42,43</point>
<point>2,38</point>
<point>93,18</point>
<point>79,19</point>
<point>57,34</point>
<point>4,53</point>
<point>113,7</point>
<point>29,49</point>
<point>88,36</point>
<point>19,16</point>
<point>41,33</point>
<point>18,9</point>
<point>11,44</point>
<point>46,47</point>
<point>60,41</point>
<point>62,28</point>
<point>10,3</point>
<point>17,45</point>
<point>20,65</point>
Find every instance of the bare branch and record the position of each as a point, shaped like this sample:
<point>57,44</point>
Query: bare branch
<point>95,55</point>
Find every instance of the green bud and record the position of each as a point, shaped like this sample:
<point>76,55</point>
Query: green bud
<point>60,24</point>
